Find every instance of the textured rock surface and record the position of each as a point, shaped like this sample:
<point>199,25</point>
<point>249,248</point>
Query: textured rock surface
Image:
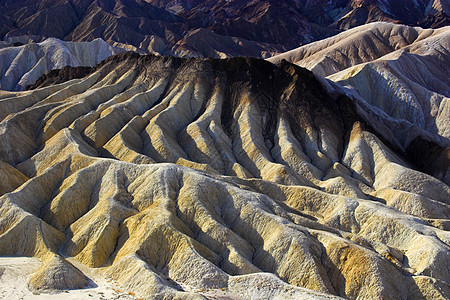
<point>192,178</point>
<point>56,274</point>
<point>397,69</point>
<point>23,65</point>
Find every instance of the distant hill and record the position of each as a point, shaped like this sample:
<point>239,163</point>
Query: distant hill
<point>211,28</point>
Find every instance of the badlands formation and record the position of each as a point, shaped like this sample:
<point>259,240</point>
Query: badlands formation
<point>193,178</point>
<point>23,65</point>
<point>397,73</point>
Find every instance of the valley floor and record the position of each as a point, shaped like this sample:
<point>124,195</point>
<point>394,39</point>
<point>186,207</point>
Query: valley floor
<point>15,271</point>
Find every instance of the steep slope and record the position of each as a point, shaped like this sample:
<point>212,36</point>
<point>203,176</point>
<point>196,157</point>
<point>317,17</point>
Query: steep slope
<point>360,45</point>
<point>397,69</point>
<point>259,28</point>
<point>23,65</point>
<point>178,178</point>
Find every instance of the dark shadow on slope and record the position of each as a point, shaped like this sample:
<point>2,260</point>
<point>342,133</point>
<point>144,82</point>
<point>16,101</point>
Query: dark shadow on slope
<point>284,89</point>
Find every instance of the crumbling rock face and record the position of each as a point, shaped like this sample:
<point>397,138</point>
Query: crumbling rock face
<point>173,175</point>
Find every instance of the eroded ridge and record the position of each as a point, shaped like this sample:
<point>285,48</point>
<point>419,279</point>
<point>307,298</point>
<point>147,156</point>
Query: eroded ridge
<point>397,74</point>
<point>178,177</point>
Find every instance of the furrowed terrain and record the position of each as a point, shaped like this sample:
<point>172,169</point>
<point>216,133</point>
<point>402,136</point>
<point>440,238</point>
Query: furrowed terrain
<point>185,178</point>
<point>398,74</point>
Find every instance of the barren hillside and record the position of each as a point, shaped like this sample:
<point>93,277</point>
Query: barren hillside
<point>178,178</point>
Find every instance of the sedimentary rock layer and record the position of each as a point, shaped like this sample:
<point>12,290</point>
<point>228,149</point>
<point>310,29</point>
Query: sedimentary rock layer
<point>181,177</point>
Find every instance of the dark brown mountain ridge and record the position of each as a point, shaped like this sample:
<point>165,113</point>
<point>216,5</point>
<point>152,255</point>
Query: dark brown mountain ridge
<point>255,28</point>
